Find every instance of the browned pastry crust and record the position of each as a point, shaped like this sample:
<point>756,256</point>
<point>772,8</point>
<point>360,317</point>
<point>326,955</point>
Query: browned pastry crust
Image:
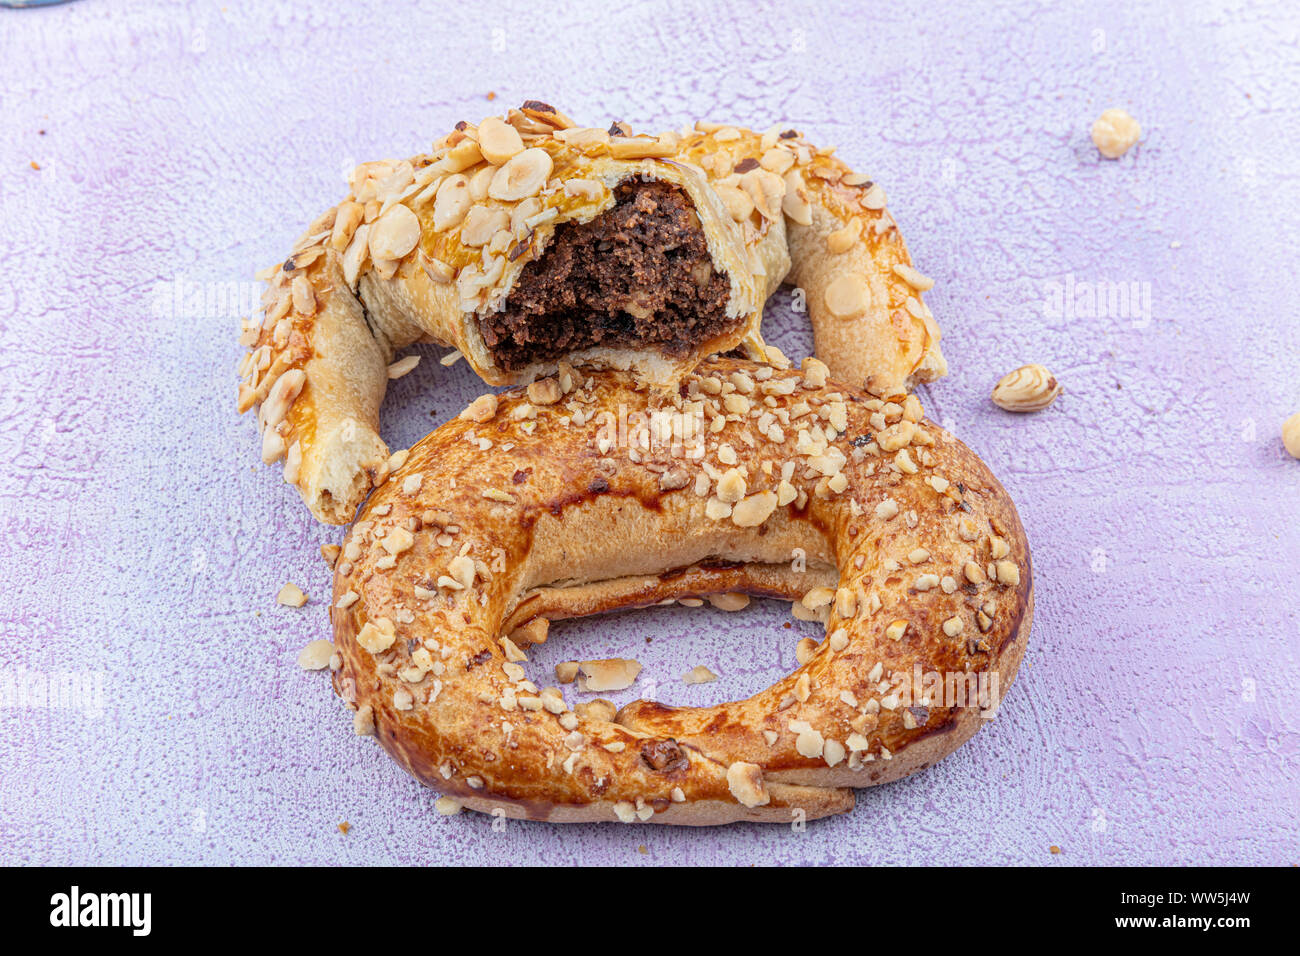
<point>540,504</point>
<point>446,248</point>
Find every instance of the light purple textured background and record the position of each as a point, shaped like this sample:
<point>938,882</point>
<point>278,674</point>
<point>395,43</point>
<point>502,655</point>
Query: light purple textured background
<point>1155,718</point>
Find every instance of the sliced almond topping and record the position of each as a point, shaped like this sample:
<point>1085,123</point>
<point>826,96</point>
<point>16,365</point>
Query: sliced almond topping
<point>482,409</point>
<point>397,541</point>
<point>451,203</point>
<point>545,391</point>
<point>847,297</point>
<point>482,223</point>
<point>810,743</point>
<point>395,233</point>
<point>913,278</point>
<point>731,486</point>
<point>598,709</point>
<point>498,141</point>
<point>639,147</point>
<point>896,436</point>
<point>754,510</point>
<point>304,296</point>
<point>766,190</point>
<point>745,781</point>
<point>348,218</point>
<point>785,493</point>
<point>523,176</point>
<point>737,202</point>
<point>795,203</point>
<point>590,189</point>
<point>377,636</point>
<point>583,136</point>
<point>462,156</point>
<point>873,198</point>
<point>1008,572</point>
<point>715,509</point>
<point>842,240</point>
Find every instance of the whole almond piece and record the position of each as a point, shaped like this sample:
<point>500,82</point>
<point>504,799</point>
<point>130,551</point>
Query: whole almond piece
<point>1030,388</point>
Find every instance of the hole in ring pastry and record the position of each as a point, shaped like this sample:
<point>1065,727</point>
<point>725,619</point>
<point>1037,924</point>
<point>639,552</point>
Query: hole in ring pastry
<point>526,241</point>
<point>766,481</point>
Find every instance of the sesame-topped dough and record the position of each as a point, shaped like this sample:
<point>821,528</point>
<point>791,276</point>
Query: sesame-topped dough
<point>752,479</point>
<point>454,248</point>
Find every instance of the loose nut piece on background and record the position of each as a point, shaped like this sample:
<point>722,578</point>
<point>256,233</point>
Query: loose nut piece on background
<point>315,656</point>
<point>291,595</point>
<point>1291,435</point>
<point>1029,388</point>
<point>614,673</point>
<point>699,674</point>
<point>1114,133</point>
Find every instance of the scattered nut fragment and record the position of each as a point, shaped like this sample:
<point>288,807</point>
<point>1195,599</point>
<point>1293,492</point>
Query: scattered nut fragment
<point>612,673</point>
<point>1114,133</point>
<point>315,656</point>
<point>698,674</point>
<point>1029,388</point>
<point>403,366</point>
<point>1291,435</point>
<point>745,781</point>
<point>291,595</point>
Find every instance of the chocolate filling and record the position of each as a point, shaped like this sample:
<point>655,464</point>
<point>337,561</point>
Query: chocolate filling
<point>638,275</point>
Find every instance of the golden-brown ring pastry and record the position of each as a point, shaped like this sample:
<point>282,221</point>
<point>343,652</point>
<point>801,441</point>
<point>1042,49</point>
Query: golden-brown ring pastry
<point>901,540</point>
<point>435,248</point>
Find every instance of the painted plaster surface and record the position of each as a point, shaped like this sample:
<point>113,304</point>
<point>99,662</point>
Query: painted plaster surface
<point>182,146</point>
